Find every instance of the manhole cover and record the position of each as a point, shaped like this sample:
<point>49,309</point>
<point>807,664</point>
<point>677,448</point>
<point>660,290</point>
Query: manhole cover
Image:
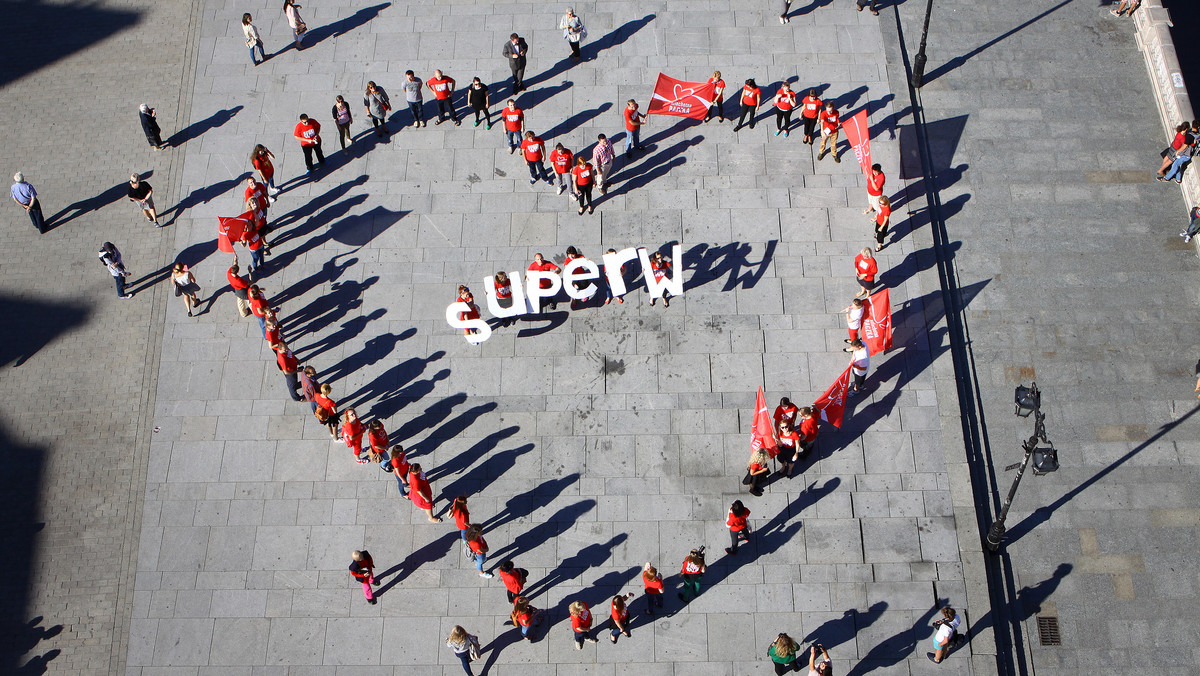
<point>1048,631</point>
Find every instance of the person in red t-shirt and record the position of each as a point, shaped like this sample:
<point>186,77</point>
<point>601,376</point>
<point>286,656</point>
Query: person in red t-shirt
<point>659,265</point>
<point>584,180</point>
<point>239,285</point>
<point>534,150</point>
<point>751,98</point>
<point>514,579</point>
<point>718,103</point>
<point>634,120</point>
<point>786,410</point>
<point>692,572</point>
<point>399,467</point>
<point>259,306</point>
<point>465,296</point>
<point>788,443</point>
<point>561,159</point>
<point>253,239</point>
<point>290,366</point>
<point>882,219</point>
<point>514,124</point>
<point>420,492</point>
<point>808,430</point>
<point>759,470</point>
<point>865,269</point>
<point>260,157</point>
<point>309,133</point>
<point>479,548</point>
<point>581,623</point>
<point>739,528</point>
<point>377,437</point>
<point>830,124</point>
<point>259,192</point>
<point>327,412</point>
<point>525,616</point>
<point>352,434</point>
<point>874,188</point>
<point>362,567</point>
<point>620,616</point>
<point>653,586</point>
<point>810,112</point>
<point>785,101</point>
<point>503,287</point>
<point>540,264</point>
<point>442,87</point>
<point>462,518</point>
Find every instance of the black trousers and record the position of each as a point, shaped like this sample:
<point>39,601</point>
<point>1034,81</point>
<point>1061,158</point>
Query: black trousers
<point>154,139</point>
<point>445,107</point>
<point>747,110</point>
<point>585,195</point>
<point>380,125</point>
<point>810,127</point>
<point>308,155</point>
<point>574,49</point>
<point>487,115</point>
<point>518,73</point>
<point>719,106</point>
<point>783,119</point>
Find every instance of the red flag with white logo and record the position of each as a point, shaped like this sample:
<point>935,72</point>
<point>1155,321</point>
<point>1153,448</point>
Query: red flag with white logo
<point>229,230</point>
<point>831,406</point>
<point>877,323</point>
<point>859,136</point>
<point>763,432</point>
<point>683,99</point>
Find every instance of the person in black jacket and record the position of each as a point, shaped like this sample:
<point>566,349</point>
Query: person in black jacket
<point>514,52</point>
<point>150,126</point>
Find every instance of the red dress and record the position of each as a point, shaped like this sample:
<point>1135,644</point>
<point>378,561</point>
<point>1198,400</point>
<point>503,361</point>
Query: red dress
<point>418,488</point>
<point>352,432</point>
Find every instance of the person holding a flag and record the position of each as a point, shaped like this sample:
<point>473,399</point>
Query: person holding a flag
<point>785,101</point>
<point>634,120</point>
<point>860,361</point>
<point>718,102</point>
<point>751,98</point>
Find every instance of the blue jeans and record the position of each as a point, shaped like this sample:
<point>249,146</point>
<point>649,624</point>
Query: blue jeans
<point>537,170</point>
<point>261,56</point>
<point>418,112</point>
<point>35,216</point>
<point>463,534</point>
<point>120,280</point>
<point>633,139</point>
<point>256,257</point>
<point>1176,170</point>
<point>479,559</point>
<point>262,323</point>
<point>403,486</point>
<point>514,139</point>
<point>465,656</point>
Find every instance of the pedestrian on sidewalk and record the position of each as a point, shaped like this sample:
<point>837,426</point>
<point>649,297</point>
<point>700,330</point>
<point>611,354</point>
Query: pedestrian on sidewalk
<point>751,98</point>
<point>525,616</point>
<point>377,438</point>
<point>290,366</point>
<point>739,527</point>
<point>810,113</point>
<point>652,584</point>
<point>514,579</point>
<point>412,96</point>
<point>659,265</point>
<point>874,5</point>
<point>185,286</point>
<point>860,361</point>
<point>377,103</point>
<point>362,568</point>
<point>634,120</point>
<point>602,158</point>
<point>865,269</point>
<point>584,180</point>
<point>515,51</point>
<point>608,289</point>
<point>110,256</point>
<point>540,264</point>
<point>789,446</point>
<point>533,148</point>
<point>343,118</point>
<point>308,132</point>
<point>261,158</point>
<point>252,237</point>
<point>783,16</point>
<point>786,410</point>
<point>573,32</point>
<point>327,413</point>
<point>352,434</point>
<point>142,194</point>
<point>883,219</point>
<point>477,97</point>
<point>299,28</point>
<point>854,315</point>
<point>465,296</point>
<point>239,285</point>
<point>465,647</point>
<point>1193,226</point>
<point>514,125</point>
<point>462,520</point>
<point>442,87</point>
<point>479,548</point>
<point>824,667</point>
<point>150,127</point>
<point>579,285</point>
<point>26,198</point>
<point>310,387</point>
<point>757,471</point>
<point>946,636</point>
<point>718,102</point>
<point>258,192</point>
<point>561,159</point>
<point>1125,5</point>
<point>693,573</point>
<point>830,124</point>
<point>783,654</point>
<point>1170,152</point>
<point>253,39</point>
<point>1183,157</point>
<point>619,614</point>
<point>274,332</point>
<point>581,623</point>
<point>808,431</point>
<point>874,188</point>
<point>785,101</point>
<point>419,491</point>
<point>259,306</point>
<point>400,468</point>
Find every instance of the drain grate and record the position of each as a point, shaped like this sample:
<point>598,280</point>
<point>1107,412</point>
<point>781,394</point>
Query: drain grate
<point>1048,632</point>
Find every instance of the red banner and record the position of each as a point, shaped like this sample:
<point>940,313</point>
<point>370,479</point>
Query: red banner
<point>229,230</point>
<point>859,136</point>
<point>763,432</point>
<point>831,406</point>
<point>877,323</point>
<point>684,99</point>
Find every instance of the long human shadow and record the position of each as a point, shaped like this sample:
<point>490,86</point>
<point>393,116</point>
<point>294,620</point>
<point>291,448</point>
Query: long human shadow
<point>330,271</point>
<point>197,129</point>
<point>191,257</point>
<point>921,217</point>
<point>574,122</point>
<point>558,523</point>
<point>463,460</point>
<point>310,207</point>
<point>38,665</point>
<point>945,178</point>
<point>450,429</point>
<point>399,387</point>
<point>29,324</point>
<point>1043,514</point>
<point>574,565</point>
<point>374,350</point>
<point>202,196</point>
<point>846,100</point>
<point>90,204</point>
<point>553,320</point>
<point>597,596</point>
<point>348,331</point>
<point>497,645</point>
<point>812,7</point>
<point>22,470</point>
<point>316,35</point>
<point>323,222</point>
<point>25,639</point>
<point>334,161</point>
<point>489,470</point>
<point>913,263</point>
<point>524,504</point>
<point>897,647</point>
<point>429,553</point>
<point>77,26</point>
<point>326,309</point>
<point>641,174</point>
<point>960,60</point>
<point>709,263</point>
<point>833,633</point>
<point>589,51</point>
<point>530,98</point>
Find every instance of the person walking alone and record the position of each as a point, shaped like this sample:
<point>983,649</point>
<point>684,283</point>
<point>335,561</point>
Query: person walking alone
<point>477,97</point>
<point>693,573</point>
<point>299,28</point>
<point>465,647</point>
<point>946,637</point>
<point>412,96</point>
<point>308,132</point>
<point>751,98</point>
<point>110,256</point>
<point>479,549</point>
<point>27,198</point>
<point>362,568</point>
<point>783,654</point>
<point>515,51</point>
<point>739,528</point>
<point>573,32</point>
<point>142,194</point>
<point>253,39</point>
<point>581,623</point>
<point>343,118</point>
<point>150,127</point>
<point>442,87</point>
<point>377,103</point>
<point>185,286</point>
<point>602,158</point>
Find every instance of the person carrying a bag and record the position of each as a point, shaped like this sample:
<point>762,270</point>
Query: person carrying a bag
<point>573,32</point>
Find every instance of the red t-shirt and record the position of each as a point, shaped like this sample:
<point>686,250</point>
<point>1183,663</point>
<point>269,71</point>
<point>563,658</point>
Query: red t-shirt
<point>654,586</point>
<point>503,290</point>
<point>786,412</point>
<point>263,166</point>
<point>659,268</point>
<point>378,438</point>
<point>441,88</point>
<point>326,403</point>
<point>287,361</point>
<point>811,107</point>
<point>618,615</point>
<point>462,518</point>
<point>417,483</point>
<point>273,336</point>
<point>352,430</point>
<point>512,581</point>
<point>736,522</point>
<point>882,215</point>
<point>751,95</point>
<point>830,120</point>
<point>308,132</point>
<point>252,239</point>
<point>582,621</point>
<point>400,463</point>
<point>256,191</point>
<point>866,267</point>
<point>718,89</point>
<point>583,174</point>
<point>259,306</point>
<point>789,440</point>
<point>238,283</point>
<point>533,149</point>
<point>561,159</point>
<point>546,266</point>
<point>478,546</point>
<point>785,100</point>
<point>808,429</point>
<point>690,568</point>
<point>877,189</point>
<point>524,618</point>
<point>633,119</point>
<point>513,119</point>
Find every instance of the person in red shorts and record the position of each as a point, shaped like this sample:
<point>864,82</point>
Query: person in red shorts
<point>581,623</point>
<point>561,159</point>
<point>514,579</point>
<point>514,125</point>
<point>786,410</point>
<point>810,113</point>
<point>739,528</point>
<point>540,264</point>
<point>533,148</point>
<point>308,132</point>
<point>865,269</point>
<point>442,87</point>
<point>751,98</point>
<point>362,567</point>
<point>854,316</point>
<point>652,582</point>
<point>352,434</point>
<point>419,491</point>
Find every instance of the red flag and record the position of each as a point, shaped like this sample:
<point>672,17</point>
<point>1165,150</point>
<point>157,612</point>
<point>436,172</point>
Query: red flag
<point>832,405</point>
<point>877,323</point>
<point>763,432</point>
<point>684,99</point>
<point>859,136</point>
<point>229,231</point>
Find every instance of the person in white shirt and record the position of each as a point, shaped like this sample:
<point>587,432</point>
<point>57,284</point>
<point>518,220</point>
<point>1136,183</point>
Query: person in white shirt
<point>854,315</point>
<point>945,636</point>
<point>822,667</point>
<point>253,39</point>
<point>860,361</point>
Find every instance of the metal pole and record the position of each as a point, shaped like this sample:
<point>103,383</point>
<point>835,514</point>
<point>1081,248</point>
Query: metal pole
<point>996,533</point>
<point>918,76</point>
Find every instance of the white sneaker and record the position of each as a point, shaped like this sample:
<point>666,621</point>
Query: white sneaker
<point>562,189</point>
<point>486,576</point>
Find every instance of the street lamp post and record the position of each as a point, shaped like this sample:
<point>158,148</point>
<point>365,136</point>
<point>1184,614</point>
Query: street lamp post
<point>918,76</point>
<point>1045,459</point>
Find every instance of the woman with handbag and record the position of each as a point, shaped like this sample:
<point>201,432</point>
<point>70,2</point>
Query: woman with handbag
<point>326,411</point>
<point>378,104</point>
<point>465,647</point>
<point>253,39</point>
<point>185,286</point>
<point>377,437</point>
<point>573,32</point>
<point>478,547</point>
<point>299,28</point>
<point>525,616</point>
<point>343,118</point>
